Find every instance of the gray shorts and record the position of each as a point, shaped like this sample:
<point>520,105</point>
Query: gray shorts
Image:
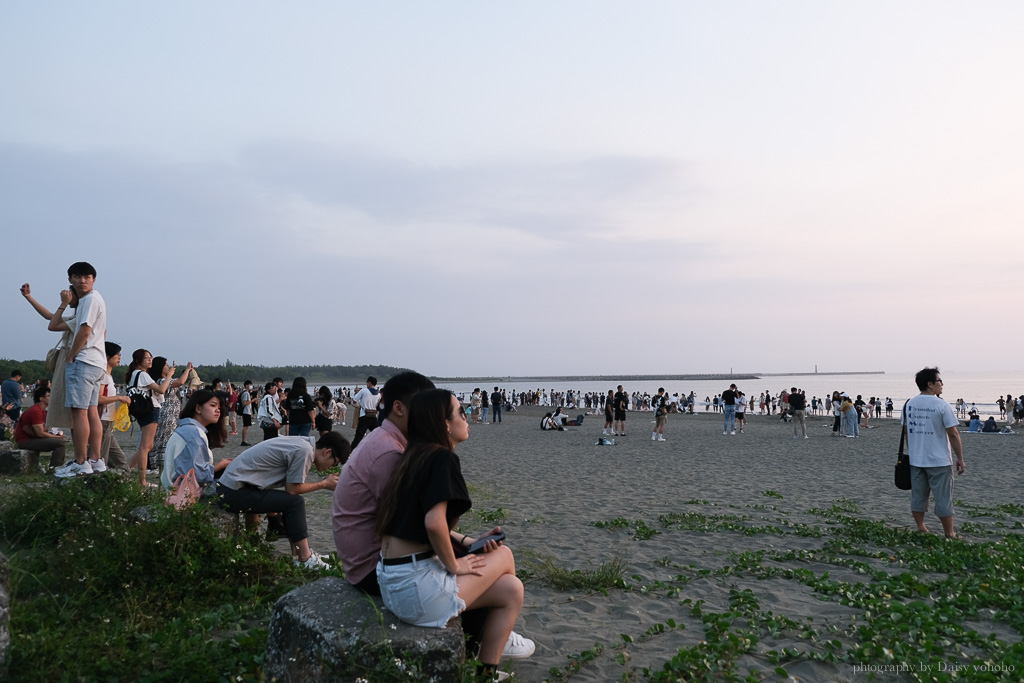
<point>82,384</point>
<point>421,592</point>
<point>936,480</point>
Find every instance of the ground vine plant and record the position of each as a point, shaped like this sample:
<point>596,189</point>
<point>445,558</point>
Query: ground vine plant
<point>97,596</point>
<point>919,607</point>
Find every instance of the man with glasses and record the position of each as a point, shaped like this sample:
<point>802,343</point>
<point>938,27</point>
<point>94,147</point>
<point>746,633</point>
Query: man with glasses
<point>931,428</point>
<point>251,483</point>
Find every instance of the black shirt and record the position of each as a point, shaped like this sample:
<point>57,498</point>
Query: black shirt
<point>440,479</point>
<point>298,409</point>
<point>729,397</point>
<point>797,402</point>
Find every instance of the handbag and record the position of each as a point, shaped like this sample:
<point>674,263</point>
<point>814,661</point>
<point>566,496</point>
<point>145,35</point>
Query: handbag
<point>52,355</point>
<point>901,476</point>
<point>186,491</point>
<point>142,403</point>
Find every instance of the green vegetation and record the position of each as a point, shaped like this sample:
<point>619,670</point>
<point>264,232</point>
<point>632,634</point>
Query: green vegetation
<point>260,374</point>
<point>599,579</point>
<point>97,596</point>
<point>944,610</point>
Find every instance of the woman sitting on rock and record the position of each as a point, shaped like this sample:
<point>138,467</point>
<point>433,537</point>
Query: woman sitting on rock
<point>422,579</point>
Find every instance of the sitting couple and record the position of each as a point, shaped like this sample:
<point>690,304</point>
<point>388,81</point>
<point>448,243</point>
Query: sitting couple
<point>396,504</point>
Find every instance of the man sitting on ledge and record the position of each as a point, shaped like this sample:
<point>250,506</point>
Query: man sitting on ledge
<point>30,430</point>
<point>250,483</point>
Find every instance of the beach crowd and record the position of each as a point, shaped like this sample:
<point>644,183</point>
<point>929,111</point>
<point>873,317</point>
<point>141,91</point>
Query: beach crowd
<point>399,494</point>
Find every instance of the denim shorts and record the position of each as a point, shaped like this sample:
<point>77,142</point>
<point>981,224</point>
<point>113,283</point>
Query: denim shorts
<point>421,593</point>
<point>82,384</point>
<point>149,419</point>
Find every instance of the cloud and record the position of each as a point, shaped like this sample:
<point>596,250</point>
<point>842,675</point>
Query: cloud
<point>563,200</point>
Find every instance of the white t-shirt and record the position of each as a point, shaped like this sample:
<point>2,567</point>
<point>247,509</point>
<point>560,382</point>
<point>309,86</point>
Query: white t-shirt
<point>92,311</point>
<point>144,382</point>
<point>927,418</point>
<point>108,388</point>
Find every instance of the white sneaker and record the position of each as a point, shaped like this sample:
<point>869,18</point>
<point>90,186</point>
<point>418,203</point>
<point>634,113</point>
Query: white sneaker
<point>654,437</point>
<point>661,438</point>
<point>73,469</point>
<point>98,465</point>
<point>725,433</point>
<point>314,562</point>
<point>517,647</point>
<point>734,432</point>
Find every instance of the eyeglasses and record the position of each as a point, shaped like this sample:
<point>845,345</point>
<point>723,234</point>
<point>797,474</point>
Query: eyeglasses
<point>937,381</point>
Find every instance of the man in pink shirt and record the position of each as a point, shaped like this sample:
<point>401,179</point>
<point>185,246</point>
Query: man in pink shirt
<point>363,479</point>
<point>357,496</point>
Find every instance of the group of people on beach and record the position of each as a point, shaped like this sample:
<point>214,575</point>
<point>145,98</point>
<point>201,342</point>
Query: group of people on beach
<point>397,502</point>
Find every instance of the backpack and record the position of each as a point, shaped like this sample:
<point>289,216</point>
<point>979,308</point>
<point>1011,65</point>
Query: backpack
<point>239,405</point>
<point>142,401</point>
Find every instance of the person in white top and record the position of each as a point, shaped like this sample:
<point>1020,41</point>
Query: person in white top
<point>931,428</point>
<point>142,360</point>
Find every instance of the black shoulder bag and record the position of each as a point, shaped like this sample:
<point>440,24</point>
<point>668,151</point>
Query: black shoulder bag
<point>901,477</point>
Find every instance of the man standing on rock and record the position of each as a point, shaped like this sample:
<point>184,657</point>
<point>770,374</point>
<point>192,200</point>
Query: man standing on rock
<point>86,365</point>
<point>931,428</point>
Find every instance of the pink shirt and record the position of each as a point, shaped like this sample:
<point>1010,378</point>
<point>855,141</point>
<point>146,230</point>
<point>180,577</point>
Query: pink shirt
<point>357,496</point>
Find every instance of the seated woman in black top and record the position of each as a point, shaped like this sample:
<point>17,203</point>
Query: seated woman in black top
<point>421,579</point>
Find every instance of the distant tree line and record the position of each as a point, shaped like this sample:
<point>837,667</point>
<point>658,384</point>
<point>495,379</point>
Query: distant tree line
<point>260,374</point>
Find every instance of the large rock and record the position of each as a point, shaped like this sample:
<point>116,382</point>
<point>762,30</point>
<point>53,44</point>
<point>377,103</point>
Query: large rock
<point>329,631</point>
<point>5,616</point>
<point>17,461</point>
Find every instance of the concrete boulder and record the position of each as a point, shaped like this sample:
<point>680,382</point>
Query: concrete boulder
<point>16,461</point>
<point>5,616</point>
<point>329,631</point>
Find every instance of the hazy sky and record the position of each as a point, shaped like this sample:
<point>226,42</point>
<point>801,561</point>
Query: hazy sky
<point>522,188</point>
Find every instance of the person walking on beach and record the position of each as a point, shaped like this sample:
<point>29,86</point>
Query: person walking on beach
<point>729,409</point>
<point>496,402</point>
<point>620,402</point>
<point>932,439</point>
<point>609,414</point>
<point>797,403</point>
<point>660,406</point>
<point>368,397</point>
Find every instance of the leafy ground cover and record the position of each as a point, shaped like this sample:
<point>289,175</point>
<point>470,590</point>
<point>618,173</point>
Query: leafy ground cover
<point>916,607</point>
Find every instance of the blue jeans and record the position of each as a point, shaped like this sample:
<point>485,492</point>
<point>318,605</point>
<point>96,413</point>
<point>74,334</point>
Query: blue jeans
<point>496,416</point>
<point>730,418</point>
<point>483,414</point>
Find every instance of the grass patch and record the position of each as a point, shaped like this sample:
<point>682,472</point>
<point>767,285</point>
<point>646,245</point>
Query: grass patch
<point>600,578</point>
<point>96,596</point>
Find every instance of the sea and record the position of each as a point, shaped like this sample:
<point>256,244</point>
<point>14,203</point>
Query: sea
<point>982,389</point>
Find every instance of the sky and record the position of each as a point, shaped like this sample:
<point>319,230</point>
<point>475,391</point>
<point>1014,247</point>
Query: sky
<point>530,188</point>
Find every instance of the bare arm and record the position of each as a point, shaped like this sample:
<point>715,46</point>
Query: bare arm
<point>436,523</point>
<point>329,482</point>
<point>958,448</point>
<point>26,291</point>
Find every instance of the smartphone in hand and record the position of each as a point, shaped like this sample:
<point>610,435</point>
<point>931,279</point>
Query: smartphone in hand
<point>477,547</point>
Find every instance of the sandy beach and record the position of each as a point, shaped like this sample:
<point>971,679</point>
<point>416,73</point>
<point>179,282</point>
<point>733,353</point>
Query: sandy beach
<point>548,489</point>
